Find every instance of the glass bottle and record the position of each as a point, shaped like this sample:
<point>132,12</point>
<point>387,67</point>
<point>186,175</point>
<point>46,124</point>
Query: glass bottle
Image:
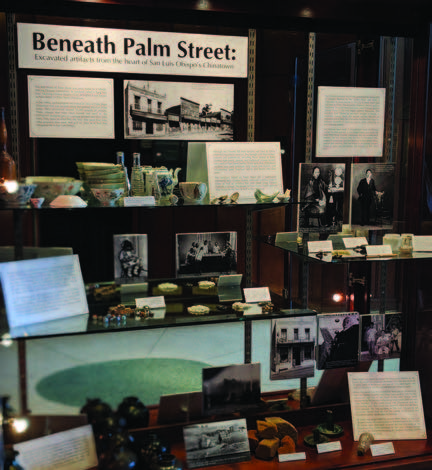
<point>137,178</point>
<point>7,163</point>
<point>120,161</point>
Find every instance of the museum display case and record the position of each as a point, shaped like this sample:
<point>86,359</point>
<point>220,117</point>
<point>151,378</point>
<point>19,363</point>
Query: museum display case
<point>290,54</point>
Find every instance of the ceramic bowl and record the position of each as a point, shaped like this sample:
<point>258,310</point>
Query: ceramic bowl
<point>193,192</point>
<point>107,197</point>
<point>49,187</point>
<point>66,201</point>
<point>18,196</point>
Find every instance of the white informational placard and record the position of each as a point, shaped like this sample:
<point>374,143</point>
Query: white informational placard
<point>386,448</point>
<point>151,302</point>
<point>354,242</point>
<point>329,447</point>
<point>257,294</point>
<point>292,457</point>
<point>55,47</point>
<point>137,201</point>
<point>39,290</point>
<point>242,167</point>
<point>350,122</point>
<point>387,405</point>
<point>71,107</point>
<point>326,246</point>
<point>379,250</point>
<point>68,450</point>
<point>422,243</point>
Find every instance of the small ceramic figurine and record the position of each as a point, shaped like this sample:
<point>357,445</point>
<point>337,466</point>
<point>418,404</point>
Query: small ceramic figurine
<point>219,200</point>
<point>263,198</point>
<point>284,197</point>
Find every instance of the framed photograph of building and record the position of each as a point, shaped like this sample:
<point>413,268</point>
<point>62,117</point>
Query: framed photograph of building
<point>216,443</point>
<point>178,110</point>
<point>372,194</point>
<point>338,340</point>
<point>232,388</point>
<point>206,253</point>
<point>321,195</point>
<point>381,336</point>
<point>292,347</point>
<point>130,258</point>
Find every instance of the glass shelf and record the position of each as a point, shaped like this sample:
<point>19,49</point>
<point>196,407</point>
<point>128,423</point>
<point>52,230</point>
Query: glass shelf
<point>174,314</point>
<point>247,205</point>
<point>332,257</point>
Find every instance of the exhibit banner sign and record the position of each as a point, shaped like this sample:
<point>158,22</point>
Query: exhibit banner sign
<point>81,48</point>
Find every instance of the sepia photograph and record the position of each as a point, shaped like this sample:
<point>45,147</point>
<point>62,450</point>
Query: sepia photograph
<point>130,258</point>
<point>206,253</point>
<point>321,195</point>
<point>372,194</point>
<point>381,336</point>
<point>232,388</point>
<point>216,443</point>
<point>178,110</point>
<point>292,347</point>
<point>338,340</point>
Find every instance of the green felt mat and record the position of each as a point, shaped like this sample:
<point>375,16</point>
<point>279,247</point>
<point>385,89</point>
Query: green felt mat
<point>112,381</point>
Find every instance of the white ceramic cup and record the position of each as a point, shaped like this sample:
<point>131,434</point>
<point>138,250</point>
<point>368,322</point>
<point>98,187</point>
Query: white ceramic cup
<point>193,192</point>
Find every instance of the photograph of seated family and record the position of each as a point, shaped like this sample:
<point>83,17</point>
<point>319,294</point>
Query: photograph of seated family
<point>206,253</point>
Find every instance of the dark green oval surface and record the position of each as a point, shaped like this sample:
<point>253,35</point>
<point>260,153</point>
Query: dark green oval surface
<point>112,381</point>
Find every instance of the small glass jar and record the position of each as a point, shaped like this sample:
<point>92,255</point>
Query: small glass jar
<point>406,247</point>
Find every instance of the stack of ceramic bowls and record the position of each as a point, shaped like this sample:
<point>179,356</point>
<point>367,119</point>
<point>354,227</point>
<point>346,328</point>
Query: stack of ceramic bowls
<point>101,177</point>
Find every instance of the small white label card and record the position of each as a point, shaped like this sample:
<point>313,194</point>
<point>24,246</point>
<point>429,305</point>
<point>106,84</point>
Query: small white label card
<point>386,448</point>
<point>422,243</point>
<point>135,201</point>
<point>354,242</point>
<point>292,457</point>
<point>68,450</point>
<point>158,313</point>
<point>229,280</point>
<point>151,302</point>
<point>379,250</point>
<point>325,246</point>
<point>257,294</point>
<point>329,447</point>
<point>252,309</point>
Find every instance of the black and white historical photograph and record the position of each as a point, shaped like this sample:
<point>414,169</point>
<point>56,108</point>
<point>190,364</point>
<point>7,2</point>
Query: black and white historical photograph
<point>206,253</point>
<point>338,340</point>
<point>178,110</point>
<point>292,347</point>
<point>381,336</point>
<point>130,258</point>
<point>321,196</point>
<point>216,443</point>
<point>372,194</point>
<point>231,388</point>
